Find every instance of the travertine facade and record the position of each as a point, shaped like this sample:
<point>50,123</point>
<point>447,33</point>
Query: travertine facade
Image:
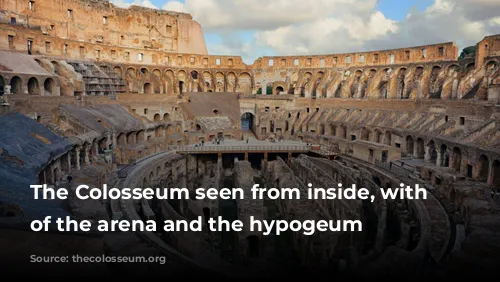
<point>125,89</point>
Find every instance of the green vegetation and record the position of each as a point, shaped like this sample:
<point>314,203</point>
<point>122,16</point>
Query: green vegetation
<point>468,51</point>
<point>269,90</point>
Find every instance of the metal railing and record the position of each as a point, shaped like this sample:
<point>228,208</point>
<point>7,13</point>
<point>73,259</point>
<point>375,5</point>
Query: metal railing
<point>265,148</point>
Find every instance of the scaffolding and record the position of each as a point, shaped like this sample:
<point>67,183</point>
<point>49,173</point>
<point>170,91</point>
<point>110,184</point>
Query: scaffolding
<point>99,81</point>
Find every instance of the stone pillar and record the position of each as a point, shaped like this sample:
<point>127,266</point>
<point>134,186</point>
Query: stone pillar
<point>77,156</point>
<point>69,162</point>
<point>6,89</point>
<point>52,176</point>
<point>87,153</point>
<point>114,142</point>
<point>439,160</point>
<point>427,156</point>
<point>44,177</point>
<point>246,156</point>
<point>415,150</point>
<point>96,149</point>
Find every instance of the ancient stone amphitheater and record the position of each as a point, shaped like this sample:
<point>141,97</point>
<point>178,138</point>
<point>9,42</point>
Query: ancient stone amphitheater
<point>122,96</point>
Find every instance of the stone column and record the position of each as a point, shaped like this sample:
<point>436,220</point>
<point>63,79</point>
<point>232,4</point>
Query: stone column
<point>427,156</point>
<point>77,155</point>
<point>87,153</point>
<point>415,150</point>
<point>69,161</point>
<point>439,160</point>
<point>52,176</point>
<point>114,142</point>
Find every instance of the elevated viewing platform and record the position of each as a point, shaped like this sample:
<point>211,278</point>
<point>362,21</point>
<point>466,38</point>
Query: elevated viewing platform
<point>255,146</point>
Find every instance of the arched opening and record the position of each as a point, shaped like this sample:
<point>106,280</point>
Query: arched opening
<point>157,117</point>
<point>166,117</point>
<point>432,151</point>
<point>181,87</point>
<point>253,246</point>
<point>482,168</point>
<point>194,75</point>
<point>198,127</point>
<point>48,86</point>
<point>377,181</point>
<point>388,138</point>
<point>148,88</point>
<point>321,129</point>
<point>33,87</point>
<point>279,90</point>
<point>457,159</point>
<point>420,148</point>
<point>144,71</point>
<point>377,136</point>
<point>2,85</point>
<point>121,139</point>
<point>247,121</point>
<point>365,134</point>
<point>215,111</point>
<point>16,85</point>
<point>409,145</point>
<point>445,158</point>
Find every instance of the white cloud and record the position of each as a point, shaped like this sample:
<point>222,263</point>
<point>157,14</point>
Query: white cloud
<point>334,26</point>
<point>126,4</point>
<point>175,6</point>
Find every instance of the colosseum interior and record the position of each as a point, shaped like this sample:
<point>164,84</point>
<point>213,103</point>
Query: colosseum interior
<point>131,98</point>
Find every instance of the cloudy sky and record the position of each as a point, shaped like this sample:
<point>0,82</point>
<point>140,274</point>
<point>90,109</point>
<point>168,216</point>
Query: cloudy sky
<point>255,28</point>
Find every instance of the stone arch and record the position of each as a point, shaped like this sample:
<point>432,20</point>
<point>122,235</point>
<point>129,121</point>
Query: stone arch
<point>420,148</point>
<point>384,90</point>
<point>157,73</point>
<point>231,81</point>
<point>33,86</point>
<point>121,139</point>
<point>432,152</point>
<point>157,117</point>
<point>409,145</point>
<point>483,166</point>
<point>166,117</point>
<point>279,89</point>
<point>453,70</point>
<point>245,84</point>
<point>48,86</point>
<point>144,71</point>
<point>401,84</point>
<point>148,88</point>
<point>470,67</point>
<point>443,154</point>
<point>118,70</point>
<point>131,72</point>
<point>377,136</point>
<point>139,137</point>
<point>342,131</point>
<point>457,159</point>
<point>365,134</point>
<point>131,138</point>
<point>220,81</point>
<point>491,65</point>
<point>388,138</point>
